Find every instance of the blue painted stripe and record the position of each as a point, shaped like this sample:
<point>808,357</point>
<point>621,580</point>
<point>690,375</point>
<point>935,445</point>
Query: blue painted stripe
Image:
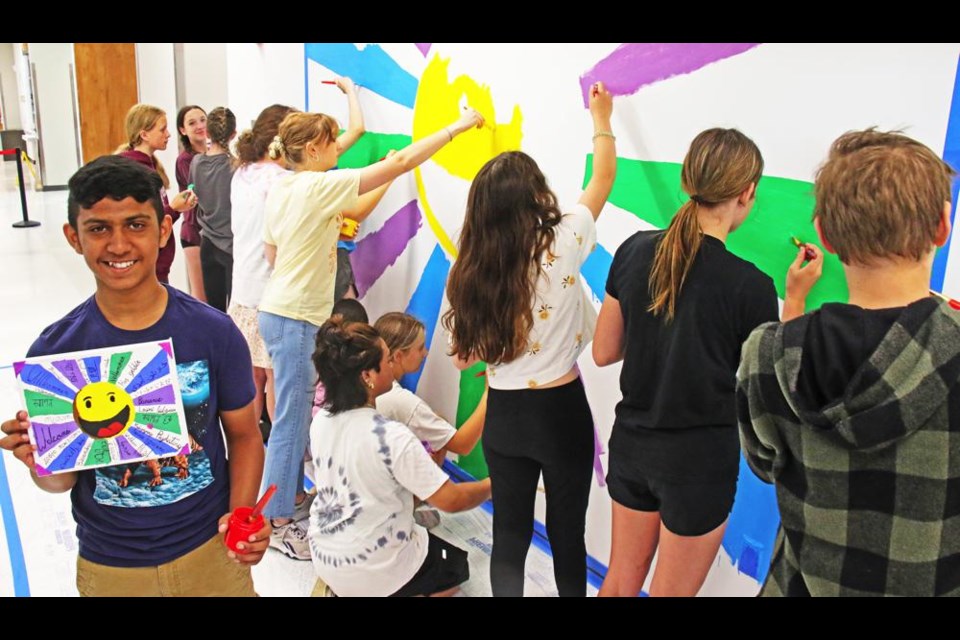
<point>951,154</point>
<point>425,304</point>
<point>306,80</point>
<point>752,527</point>
<point>595,270</point>
<point>596,570</point>
<point>157,446</point>
<point>370,67</point>
<point>21,586</point>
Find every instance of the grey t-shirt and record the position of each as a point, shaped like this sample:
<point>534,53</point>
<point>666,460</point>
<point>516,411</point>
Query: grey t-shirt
<point>211,177</point>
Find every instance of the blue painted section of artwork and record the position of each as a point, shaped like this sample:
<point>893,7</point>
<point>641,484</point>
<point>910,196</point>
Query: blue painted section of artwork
<point>158,367</point>
<point>370,67</point>
<point>39,377</point>
<point>68,457</point>
<point>752,527</point>
<point>157,446</point>
<point>92,366</point>
<point>951,154</point>
<point>595,270</point>
<point>425,304</point>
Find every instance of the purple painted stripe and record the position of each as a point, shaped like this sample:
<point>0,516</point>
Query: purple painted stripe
<point>71,371</point>
<point>423,46</point>
<point>127,451</point>
<point>597,463</point>
<point>636,64</point>
<point>163,395</point>
<point>168,347</point>
<point>380,249</point>
<point>49,435</point>
<point>17,368</point>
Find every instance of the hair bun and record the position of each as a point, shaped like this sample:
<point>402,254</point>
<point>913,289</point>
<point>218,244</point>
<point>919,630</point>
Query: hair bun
<point>276,147</point>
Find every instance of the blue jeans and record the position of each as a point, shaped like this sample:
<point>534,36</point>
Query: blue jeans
<point>290,344</point>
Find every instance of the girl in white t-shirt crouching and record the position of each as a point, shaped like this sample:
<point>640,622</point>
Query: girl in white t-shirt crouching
<point>406,338</point>
<point>363,537</point>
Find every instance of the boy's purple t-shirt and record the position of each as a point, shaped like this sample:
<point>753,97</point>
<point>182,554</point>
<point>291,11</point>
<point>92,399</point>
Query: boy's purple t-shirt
<point>123,521</point>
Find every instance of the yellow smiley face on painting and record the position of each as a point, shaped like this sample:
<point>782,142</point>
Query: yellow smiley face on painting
<point>103,410</point>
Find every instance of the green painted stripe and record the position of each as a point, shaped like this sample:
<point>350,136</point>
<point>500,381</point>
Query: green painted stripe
<point>784,208</point>
<point>163,421</point>
<point>471,390</point>
<point>370,148</point>
<point>99,454</point>
<point>41,404</point>
<point>117,362</point>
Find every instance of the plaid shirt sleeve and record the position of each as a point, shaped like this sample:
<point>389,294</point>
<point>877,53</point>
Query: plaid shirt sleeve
<point>759,436</point>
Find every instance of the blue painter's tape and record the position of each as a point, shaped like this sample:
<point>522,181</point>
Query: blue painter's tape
<point>370,67</point>
<point>595,270</point>
<point>21,585</point>
<point>951,154</point>
<point>752,527</point>
<point>425,304</point>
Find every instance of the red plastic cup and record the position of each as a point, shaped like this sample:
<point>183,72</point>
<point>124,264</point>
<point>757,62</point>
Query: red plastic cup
<point>239,527</point>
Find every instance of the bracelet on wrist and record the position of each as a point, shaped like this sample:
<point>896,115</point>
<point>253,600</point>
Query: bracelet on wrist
<point>604,134</point>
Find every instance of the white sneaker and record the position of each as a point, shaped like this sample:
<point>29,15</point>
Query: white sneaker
<point>302,511</point>
<point>291,540</point>
<point>426,517</point>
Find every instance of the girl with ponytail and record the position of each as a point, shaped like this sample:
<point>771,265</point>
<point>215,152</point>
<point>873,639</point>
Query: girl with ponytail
<point>678,306</point>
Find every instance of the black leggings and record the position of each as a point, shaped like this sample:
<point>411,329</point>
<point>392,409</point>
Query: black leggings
<point>529,431</point>
<point>217,267</point>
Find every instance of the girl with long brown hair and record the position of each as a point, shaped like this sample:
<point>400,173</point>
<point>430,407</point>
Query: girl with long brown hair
<point>517,303</point>
<point>677,309</point>
<point>192,126</point>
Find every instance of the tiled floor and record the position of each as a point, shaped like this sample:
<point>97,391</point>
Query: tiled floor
<point>42,279</point>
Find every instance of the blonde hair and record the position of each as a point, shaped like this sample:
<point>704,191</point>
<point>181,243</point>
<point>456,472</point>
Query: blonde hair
<point>143,117</point>
<point>720,165</point>
<point>399,330</point>
<point>299,129</point>
<point>881,194</point>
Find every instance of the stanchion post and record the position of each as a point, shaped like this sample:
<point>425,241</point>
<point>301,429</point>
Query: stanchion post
<point>26,222</point>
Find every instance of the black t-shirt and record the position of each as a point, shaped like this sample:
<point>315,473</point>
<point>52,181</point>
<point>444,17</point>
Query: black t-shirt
<point>682,374</point>
<point>678,379</point>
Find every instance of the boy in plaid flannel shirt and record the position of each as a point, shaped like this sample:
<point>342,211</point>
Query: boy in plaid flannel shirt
<point>853,411</point>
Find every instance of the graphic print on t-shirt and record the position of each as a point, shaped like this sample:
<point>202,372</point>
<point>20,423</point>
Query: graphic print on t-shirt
<point>154,483</point>
<point>341,506</point>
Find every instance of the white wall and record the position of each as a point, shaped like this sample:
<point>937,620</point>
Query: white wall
<point>157,83</point>
<point>259,75</point>
<point>9,51</point>
<point>204,74</point>
<point>56,114</point>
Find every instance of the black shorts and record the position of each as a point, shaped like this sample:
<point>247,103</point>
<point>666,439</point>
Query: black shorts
<point>186,244</point>
<point>688,507</point>
<point>446,567</point>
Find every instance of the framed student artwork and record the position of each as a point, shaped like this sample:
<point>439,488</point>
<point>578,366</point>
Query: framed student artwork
<point>103,407</point>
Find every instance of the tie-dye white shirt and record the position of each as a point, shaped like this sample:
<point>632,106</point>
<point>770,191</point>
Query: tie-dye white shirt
<point>363,538</point>
<point>563,314</point>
